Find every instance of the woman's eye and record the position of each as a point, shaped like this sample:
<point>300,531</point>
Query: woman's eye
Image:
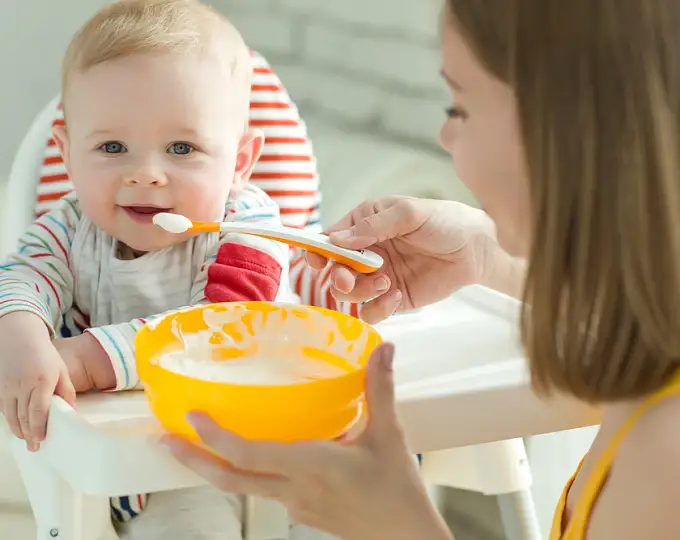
<point>456,112</point>
<point>112,148</point>
<point>181,148</point>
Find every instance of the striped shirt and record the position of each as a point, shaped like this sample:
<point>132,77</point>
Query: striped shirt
<point>286,171</point>
<point>68,272</point>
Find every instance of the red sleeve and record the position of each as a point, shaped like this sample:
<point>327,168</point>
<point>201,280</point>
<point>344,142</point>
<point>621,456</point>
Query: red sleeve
<point>242,273</point>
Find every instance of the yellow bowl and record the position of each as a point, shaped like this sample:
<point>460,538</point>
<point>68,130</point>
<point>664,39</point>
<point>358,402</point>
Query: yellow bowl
<point>319,409</point>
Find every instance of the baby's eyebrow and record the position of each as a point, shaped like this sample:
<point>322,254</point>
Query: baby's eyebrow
<point>98,133</point>
<point>171,132</point>
<point>188,132</point>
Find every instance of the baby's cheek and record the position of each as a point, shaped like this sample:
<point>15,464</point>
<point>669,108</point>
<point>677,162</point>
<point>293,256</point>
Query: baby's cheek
<point>205,204</point>
<point>95,199</point>
<point>101,209</point>
<point>204,191</point>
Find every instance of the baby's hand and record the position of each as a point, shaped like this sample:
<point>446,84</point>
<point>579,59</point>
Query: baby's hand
<point>88,364</point>
<point>31,372</point>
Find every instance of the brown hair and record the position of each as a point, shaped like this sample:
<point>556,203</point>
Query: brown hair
<point>598,91</point>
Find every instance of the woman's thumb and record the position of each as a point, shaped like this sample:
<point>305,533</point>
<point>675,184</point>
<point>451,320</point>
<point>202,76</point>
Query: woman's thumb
<point>383,424</point>
<point>372,229</point>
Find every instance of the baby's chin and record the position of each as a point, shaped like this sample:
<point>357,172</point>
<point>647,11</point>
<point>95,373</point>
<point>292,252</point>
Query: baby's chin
<point>144,243</point>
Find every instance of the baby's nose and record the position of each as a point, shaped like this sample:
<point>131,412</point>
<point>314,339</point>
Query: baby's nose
<point>146,177</point>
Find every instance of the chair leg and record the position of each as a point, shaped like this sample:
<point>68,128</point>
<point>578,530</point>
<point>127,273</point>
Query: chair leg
<point>61,512</point>
<point>518,515</point>
<point>265,520</point>
<point>437,495</point>
<point>498,468</point>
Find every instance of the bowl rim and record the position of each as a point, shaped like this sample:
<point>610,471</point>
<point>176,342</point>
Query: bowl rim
<point>358,372</point>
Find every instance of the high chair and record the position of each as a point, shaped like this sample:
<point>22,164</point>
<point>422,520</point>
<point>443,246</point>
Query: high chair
<point>481,398</point>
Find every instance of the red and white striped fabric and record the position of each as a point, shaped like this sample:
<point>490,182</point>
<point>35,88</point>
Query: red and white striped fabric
<point>286,172</point>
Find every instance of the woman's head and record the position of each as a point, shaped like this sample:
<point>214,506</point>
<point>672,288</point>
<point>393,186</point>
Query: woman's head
<point>567,128</point>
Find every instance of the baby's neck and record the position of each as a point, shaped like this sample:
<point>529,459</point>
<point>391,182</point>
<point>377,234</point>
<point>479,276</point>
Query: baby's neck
<point>126,253</point>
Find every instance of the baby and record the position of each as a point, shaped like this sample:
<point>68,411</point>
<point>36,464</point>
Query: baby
<point>156,97</point>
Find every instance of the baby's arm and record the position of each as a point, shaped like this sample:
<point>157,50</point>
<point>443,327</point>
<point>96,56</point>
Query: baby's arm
<point>88,364</point>
<point>115,354</point>
<point>247,267</point>
<point>37,279</point>
<point>36,289</point>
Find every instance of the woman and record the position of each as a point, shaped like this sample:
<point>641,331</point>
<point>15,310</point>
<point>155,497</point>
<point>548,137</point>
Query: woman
<point>566,125</point>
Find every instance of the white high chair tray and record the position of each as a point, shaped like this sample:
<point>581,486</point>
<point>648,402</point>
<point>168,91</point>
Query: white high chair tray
<point>461,380</point>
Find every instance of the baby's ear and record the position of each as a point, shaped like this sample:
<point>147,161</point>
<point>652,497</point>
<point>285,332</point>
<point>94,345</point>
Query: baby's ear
<point>249,151</point>
<point>60,136</point>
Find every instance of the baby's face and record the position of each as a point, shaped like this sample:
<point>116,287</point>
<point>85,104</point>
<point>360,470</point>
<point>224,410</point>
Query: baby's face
<point>153,133</point>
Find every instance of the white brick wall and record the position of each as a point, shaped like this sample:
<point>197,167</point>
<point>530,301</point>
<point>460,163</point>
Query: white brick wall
<point>267,31</point>
<point>336,96</point>
<point>370,63</point>
<point>389,59</point>
<point>413,17</point>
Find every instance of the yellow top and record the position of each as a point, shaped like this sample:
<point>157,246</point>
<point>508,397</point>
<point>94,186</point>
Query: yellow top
<point>578,524</point>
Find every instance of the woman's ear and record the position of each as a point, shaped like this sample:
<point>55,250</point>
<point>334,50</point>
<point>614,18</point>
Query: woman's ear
<point>249,151</point>
<point>60,136</point>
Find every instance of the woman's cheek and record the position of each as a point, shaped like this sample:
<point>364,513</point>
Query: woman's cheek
<point>466,169</point>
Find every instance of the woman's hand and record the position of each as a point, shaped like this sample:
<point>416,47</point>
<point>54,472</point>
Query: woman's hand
<point>431,249</point>
<point>364,489</point>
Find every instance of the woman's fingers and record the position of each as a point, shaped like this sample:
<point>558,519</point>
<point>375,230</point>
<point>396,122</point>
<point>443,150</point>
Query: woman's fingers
<point>223,476</point>
<point>395,220</point>
<point>315,260</point>
<point>344,223</point>
<point>383,427</point>
<point>260,457</point>
<point>381,308</point>
<point>349,287</point>
<point>350,240</point>
<point>343,280</point>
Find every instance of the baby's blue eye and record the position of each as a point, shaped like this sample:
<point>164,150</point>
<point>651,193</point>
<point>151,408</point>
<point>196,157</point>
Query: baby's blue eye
<point>113,148</point>
<point>180,148</point>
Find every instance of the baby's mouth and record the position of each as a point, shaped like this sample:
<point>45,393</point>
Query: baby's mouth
<point>143,214</point>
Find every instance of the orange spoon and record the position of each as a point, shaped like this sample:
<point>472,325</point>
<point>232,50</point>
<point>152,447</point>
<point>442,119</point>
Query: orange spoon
<point>363,261</point>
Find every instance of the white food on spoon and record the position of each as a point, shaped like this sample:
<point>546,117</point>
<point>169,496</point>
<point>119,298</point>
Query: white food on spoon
<point>173,223</point>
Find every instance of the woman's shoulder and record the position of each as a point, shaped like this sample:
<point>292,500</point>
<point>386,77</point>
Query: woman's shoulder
<point>643,488</point>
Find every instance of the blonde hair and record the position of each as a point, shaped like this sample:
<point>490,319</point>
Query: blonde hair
<point>129,27</point>
<point>598,91</point>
